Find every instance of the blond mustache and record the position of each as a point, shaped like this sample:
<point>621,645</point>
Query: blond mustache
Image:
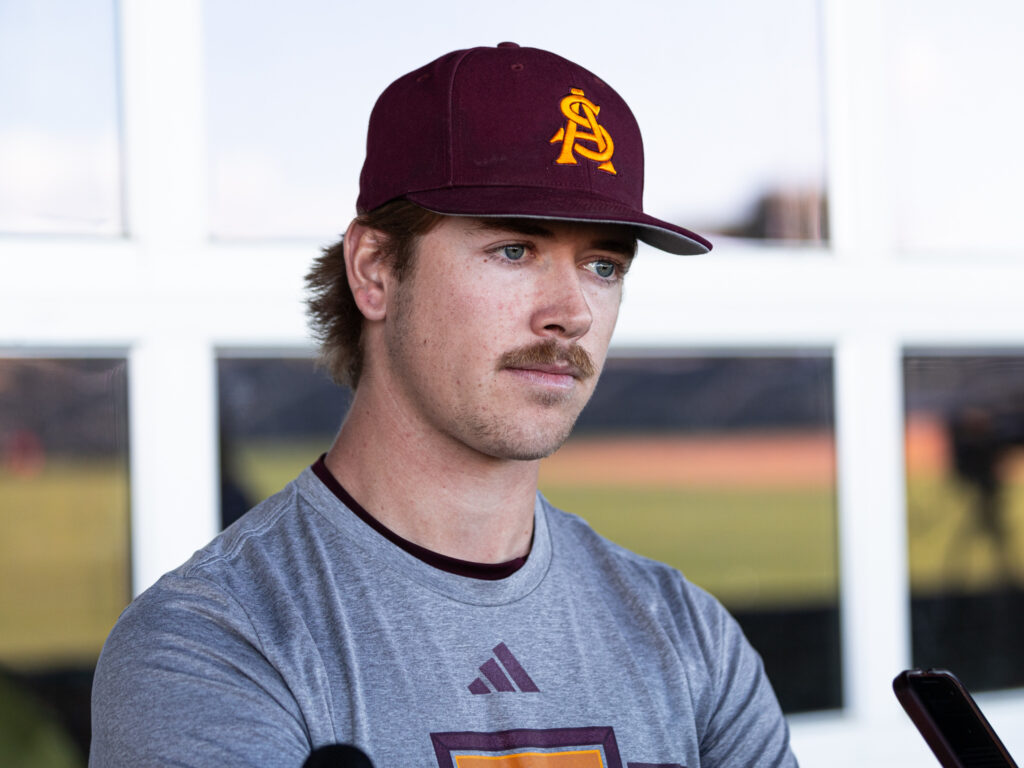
<point>550,352</point>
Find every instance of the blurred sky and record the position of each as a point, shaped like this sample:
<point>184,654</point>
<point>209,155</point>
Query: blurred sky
<point>729,96</point>
<point>59,165</point>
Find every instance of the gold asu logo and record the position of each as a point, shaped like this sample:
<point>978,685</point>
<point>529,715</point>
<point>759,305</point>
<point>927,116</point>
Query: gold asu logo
<point>581,113</point>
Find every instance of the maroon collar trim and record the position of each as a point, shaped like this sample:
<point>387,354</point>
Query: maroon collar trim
<point>485,571</point>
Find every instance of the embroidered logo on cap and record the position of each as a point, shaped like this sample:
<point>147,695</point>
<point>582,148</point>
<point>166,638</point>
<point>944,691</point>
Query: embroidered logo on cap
<point>581,112</point>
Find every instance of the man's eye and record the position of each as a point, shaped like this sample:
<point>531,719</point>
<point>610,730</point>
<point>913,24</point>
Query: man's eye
<point>513,252</point>
<point>604,269</point>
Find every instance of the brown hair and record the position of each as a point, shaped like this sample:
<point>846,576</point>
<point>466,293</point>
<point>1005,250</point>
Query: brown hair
<point>334,318</point>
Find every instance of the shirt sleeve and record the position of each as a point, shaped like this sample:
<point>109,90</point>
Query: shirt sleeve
<point>747,727</point>
<point>182,681</point>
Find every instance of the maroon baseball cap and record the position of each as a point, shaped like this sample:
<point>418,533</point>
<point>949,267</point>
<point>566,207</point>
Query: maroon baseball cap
<point>512,132</point>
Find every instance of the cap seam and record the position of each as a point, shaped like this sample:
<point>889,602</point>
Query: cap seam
<point>450,154</point>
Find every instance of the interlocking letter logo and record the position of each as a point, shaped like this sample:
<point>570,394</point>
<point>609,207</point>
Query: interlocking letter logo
<point>581,113</point>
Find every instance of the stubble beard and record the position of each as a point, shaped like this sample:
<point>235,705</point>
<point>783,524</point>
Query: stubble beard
<point>519,441</point>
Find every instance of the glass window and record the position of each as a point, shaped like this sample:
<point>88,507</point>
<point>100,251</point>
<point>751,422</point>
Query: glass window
<point>723,467</point>
<point>955,155</point>
<point>965,513</point>
<point>276,417</point>
<point>59,140</point>
<point>64,527</point>
<point>732,119</point>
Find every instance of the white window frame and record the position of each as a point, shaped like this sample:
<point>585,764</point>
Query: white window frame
<point>168,298</point>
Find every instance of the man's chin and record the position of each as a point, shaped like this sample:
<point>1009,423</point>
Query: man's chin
<point>533,456</point>
<point>528,447</point>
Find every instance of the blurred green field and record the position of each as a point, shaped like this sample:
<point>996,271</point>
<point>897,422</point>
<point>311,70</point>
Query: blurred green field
<point>64,541</point>
<point>752,548</point>
<point>263,469</point>
<point>64,567</point>
<point>30,735</point>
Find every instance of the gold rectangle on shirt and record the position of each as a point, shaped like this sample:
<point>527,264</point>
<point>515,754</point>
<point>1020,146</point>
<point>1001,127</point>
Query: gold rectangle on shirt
<point>590,758</point>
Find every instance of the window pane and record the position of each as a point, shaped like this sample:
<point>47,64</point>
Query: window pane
<point>965,514</point>
<point>725,469</point>
<point>64,525</point>
<point>732,118</point>
<point>59,161</point>
<point>956,154</point>
<point>276,417</point>
<point>722,467</point>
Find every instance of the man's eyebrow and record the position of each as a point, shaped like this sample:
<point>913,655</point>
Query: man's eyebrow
<point>531,228</point>
<point>527,227</point>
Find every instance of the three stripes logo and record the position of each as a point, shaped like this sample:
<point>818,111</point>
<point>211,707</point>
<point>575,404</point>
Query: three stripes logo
<point>508,676</point>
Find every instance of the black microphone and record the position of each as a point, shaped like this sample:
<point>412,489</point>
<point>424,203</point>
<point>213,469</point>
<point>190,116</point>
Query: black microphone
<point>337,756</point>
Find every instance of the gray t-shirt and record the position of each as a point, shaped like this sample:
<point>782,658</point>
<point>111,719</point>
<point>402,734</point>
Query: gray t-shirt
<point>301,626</point>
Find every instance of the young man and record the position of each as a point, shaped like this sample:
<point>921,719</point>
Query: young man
<point>411,593</point>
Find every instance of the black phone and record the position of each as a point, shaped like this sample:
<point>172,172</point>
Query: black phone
<point>949,720</point>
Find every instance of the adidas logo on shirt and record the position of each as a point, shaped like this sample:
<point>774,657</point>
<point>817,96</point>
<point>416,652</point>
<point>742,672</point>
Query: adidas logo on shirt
<point>502,673</point>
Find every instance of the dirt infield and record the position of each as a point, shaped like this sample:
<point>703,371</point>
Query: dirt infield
<point>762,459</point>
<point>759,459</point>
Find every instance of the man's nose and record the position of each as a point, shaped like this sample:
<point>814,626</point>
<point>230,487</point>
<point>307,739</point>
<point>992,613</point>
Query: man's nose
<point>562,308</point>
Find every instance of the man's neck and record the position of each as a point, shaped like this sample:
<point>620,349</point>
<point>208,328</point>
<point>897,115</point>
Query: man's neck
<point>433,491</point>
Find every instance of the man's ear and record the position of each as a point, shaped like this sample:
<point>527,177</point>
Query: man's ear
<point>369,276</point>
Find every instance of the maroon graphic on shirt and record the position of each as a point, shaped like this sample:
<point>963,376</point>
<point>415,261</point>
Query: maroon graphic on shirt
<point>528,748</point>
<point>593,747</point>
<point>496,674</point>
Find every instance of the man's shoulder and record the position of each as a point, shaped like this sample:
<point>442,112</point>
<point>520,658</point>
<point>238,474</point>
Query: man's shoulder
<point>203,627</point>
<point>235,566</point>
<point>260,537</point>
<point>222,596</point>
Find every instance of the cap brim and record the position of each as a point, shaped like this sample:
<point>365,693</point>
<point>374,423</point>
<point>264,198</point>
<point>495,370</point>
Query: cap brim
<point>533,203</point>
